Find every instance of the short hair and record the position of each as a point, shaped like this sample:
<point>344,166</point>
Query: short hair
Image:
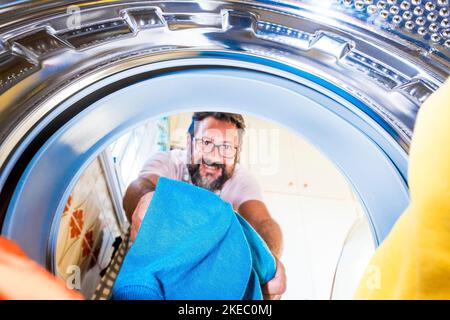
<point>235,118</point>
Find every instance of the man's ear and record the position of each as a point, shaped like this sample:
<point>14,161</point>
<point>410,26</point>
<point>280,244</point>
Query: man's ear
<point>188,148</point>
<point>188,140</point>
<point>238,154</point>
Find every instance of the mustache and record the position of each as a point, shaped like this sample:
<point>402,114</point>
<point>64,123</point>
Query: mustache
<point>204,182</point>
<point>213,164</point>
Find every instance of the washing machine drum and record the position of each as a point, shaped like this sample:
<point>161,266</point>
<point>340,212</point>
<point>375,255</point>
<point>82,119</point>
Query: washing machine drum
<point>349,76</point>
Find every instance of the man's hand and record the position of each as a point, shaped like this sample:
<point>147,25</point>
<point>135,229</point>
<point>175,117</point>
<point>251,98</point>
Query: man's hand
<point>273,289</point>
<point>135,191</point>
<point>257,214</point>
<point>139,213</point>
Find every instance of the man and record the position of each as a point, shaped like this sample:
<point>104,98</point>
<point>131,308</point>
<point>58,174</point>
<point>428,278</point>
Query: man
<point>213,146</point>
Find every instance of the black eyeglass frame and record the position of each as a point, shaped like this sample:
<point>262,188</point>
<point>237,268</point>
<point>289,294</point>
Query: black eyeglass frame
<point>195,139</point>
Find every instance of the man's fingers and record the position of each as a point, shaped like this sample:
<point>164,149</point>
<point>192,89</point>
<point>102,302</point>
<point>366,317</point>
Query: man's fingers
<point>274,286</point>
<point>278,284</point>
<point>272,297</point>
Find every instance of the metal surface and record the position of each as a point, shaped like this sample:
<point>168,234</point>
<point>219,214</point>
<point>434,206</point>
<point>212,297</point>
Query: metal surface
<point>57,60</point>
<point>48,50</point>
<point>424,22</point>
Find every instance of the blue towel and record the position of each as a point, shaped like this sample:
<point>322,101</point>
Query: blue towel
<point>192,245</point>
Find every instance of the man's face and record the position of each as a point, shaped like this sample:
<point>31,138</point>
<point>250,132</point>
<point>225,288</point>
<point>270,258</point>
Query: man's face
<point>212,166</point>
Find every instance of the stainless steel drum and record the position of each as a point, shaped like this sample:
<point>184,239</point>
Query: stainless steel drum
<point>348,75</point>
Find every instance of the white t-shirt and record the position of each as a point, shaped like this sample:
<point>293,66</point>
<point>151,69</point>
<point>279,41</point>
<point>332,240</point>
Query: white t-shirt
<point>239,188</point>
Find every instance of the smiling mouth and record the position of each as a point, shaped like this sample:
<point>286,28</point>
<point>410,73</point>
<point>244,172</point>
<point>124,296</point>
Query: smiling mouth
<point>210,168</point>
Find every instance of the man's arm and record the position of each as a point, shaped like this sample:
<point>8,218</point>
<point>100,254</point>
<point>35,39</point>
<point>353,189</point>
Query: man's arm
<point>135,191</point>
<point>257,214</point>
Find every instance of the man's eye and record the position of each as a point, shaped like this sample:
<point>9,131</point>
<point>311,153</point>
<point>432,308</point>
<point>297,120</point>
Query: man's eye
<point>226,147</point>
<point>206,142</point>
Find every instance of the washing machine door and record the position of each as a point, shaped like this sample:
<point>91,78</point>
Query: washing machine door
<point>349,76</point>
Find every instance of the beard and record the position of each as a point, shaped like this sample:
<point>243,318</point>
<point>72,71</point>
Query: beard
<point>208,182</point>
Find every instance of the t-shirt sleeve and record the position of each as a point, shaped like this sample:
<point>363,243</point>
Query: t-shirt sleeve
<point>160,164</point>
<point>244,187</point>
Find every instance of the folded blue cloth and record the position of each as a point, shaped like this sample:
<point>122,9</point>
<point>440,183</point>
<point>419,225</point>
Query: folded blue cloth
<point>192,245</point>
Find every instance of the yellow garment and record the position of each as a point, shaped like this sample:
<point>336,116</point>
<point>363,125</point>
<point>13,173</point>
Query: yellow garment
<point>413,262</point>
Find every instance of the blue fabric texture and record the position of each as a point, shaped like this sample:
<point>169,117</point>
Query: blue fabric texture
<point>192,245</point>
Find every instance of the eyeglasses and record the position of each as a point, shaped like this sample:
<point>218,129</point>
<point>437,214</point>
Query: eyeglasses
<point>207,146</point>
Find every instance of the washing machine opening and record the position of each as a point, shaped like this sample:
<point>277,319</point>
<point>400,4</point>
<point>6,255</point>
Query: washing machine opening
<point>320,216</point>
<point>79,82</point>
<point>88,150</point>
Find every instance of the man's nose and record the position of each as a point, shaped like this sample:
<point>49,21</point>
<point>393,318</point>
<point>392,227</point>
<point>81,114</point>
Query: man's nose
<point>213,157</point>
